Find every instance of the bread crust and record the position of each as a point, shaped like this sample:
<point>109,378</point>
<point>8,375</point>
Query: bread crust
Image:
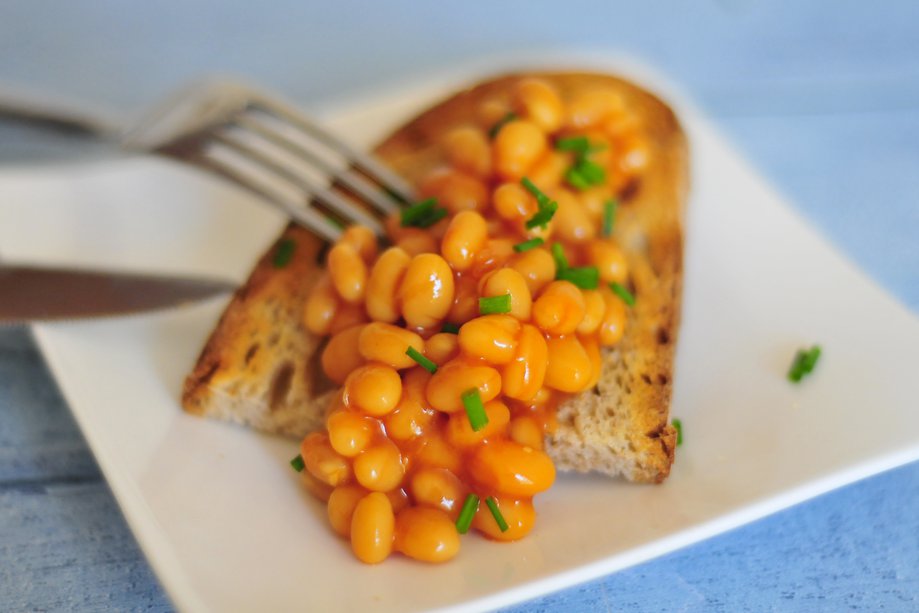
<point>260,365</point>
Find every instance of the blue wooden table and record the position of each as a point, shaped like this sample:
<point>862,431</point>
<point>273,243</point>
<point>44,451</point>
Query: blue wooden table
<point>823,97</point>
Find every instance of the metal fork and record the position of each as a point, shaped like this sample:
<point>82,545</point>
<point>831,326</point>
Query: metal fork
<point>267,146</point>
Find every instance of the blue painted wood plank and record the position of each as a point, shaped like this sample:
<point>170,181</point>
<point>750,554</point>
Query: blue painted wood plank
<point>39,439</point>
<point>67,548</point>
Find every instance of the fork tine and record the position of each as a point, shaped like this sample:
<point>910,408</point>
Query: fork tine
<point>336,202</point>
<point>352,181</point>
<point>367,163</point>
<point>308,217</point>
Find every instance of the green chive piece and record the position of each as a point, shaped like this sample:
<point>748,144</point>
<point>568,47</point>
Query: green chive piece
<point>527,245</point>
<point>804,363</point>
<point>298,464</point>
<point>575,179</point>
<point>423,215</point>
<point>493,132</point>
<point>558,254</point>
<point>489,305</point>
<point>496,513</point>
<point>585,277</point>
<point>578,144</point>
<point>475,410</point>
<point>622,291</point>
<point>543,216</point>
<point>585,174</point>
<point>541,199</point>
<point>470,506</point>
<point>284,253</point>
<point>678,425</point>
<point>609,217</point>
<point>450,328</point>
<point>424,362</point>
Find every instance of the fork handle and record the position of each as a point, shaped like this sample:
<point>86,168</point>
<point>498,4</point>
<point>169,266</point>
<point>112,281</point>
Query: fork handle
<point>72,119</point>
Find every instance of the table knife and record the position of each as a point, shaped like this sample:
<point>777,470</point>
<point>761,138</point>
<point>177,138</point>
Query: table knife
<point>42,294</point>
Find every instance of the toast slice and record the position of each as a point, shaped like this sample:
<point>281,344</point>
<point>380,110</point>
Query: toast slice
<point>260,366</point>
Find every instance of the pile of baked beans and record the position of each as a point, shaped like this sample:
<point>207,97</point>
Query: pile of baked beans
<point>454,345</point>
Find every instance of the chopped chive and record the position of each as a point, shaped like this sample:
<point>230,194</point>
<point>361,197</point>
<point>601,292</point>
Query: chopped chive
<point>678,426</point>
<point>493,132</point>
<point>527,245</point>
<point>423,215</point>
<point>558,254</point>
<point>585,277</point>
<point>284,253</point>
<point>622,291</point>
<point>578,144</point>
<point>450,328</point>
<point>489,305</point>
<point>470,506</point>
<point>298,464</point>
<point>496,513</point>
<point>542,199</point>
<point>803,363</point>
<point>475,410</point>
<point>424,362</point>
<point>543,216</point>
<point>585,174</point>
<point>609,217</point>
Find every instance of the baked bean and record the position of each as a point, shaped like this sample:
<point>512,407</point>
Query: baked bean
<point>536,266</point>
<point>350,432</point>
<point>426,534</point>
<point>319,489</point>
<point>592,347</point>
<point>523,377</point>
<point>380,467</point>
<point>341,505</point>
<point>341,355</point>
<point>412,416</point>
<point>459,431</point>
<point>348,272</point>
<point>373,388</point>
<point>386,343</point>
<point>321,306</point>
<point>372,528</point>
<point>518,513</point>
<point>594,309</point>
<point>591,107</point>
<point>492,338</point>
<point>549,170</point>
<point>559,308</point>
<point>415,241</point>
<point>516,147</point>
<point>466,236</point>
<point>435,451</point>
<point>569,368</point>
<point>507,281</point>
<point>538,101</point>
<point>322,461</point>
<point>398,498</point>
<point>613,325</point>
<point>347,316</point>
<point>593,200</point>
<point>491,111</point>
<point>468,149</point>
<point>525,431</point>
<point>455,190</point>
<point>512,469</point>
<point>382,285</point>
<point>363,240</point>
<point>496,252</point>
<point>445,389</point>
<point>609,260</point>
<point>465,299</point>
<point>438,488</point>
<point>571,222</point>
<point>633,156</point>
<point>441,348</point>
<point>513,202</point>
<point>427,291</point>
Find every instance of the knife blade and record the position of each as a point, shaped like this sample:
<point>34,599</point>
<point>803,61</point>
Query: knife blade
<point>35,294</point>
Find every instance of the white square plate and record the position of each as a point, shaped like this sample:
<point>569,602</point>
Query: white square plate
<point>223,519</point>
